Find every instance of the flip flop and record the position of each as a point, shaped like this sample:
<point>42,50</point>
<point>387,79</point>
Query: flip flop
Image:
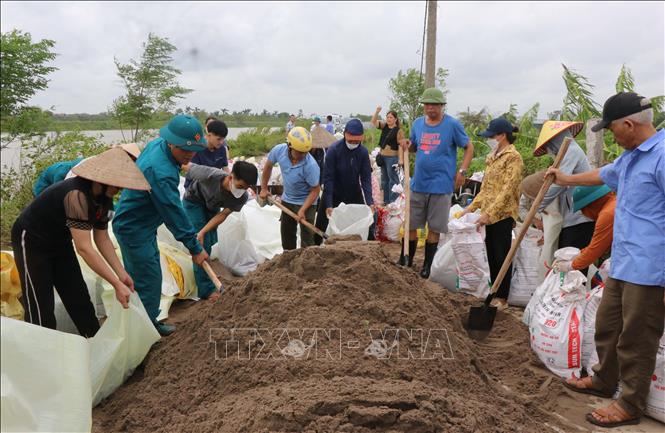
<point>589,391</point>
<point>630,421</point>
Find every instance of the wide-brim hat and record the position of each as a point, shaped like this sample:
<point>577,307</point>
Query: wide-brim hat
<point>114,168</point>
<point>531,184</point>
<point>585,195</point>
<point>551,129</point>
<point>322,139</point>
<point>184,132</point>
<point>132,148</point>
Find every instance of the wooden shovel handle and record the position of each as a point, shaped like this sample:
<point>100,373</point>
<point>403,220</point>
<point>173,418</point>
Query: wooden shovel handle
<point>527,221</point>
<point>206,267</point>
<point>312,228</point>
<point>407,204</point>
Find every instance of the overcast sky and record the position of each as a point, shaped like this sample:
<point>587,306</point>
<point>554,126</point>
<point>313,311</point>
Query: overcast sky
<point>337,57</point>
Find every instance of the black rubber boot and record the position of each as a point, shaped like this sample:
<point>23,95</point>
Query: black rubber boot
<point>412,251</point>
<point>430,251</point>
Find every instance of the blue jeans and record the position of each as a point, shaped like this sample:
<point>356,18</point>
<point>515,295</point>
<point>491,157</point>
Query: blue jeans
<point>389,178</point>
<point>199,217</point>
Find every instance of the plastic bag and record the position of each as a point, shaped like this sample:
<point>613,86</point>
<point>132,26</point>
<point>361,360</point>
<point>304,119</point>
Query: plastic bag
<point>556,325</point>
<point>233,249</point>
<point>263,229</point>
<point>350,219</point>
<point>45,380</point>
<point>552,224</point>
<point>656,398</point>
<point>526,276</point>
<point>119,346</point>
<point>10,287</point>
<point>550,283</point>
<point>589,354</point>
<point>473,273</point>
<point>444,270</point>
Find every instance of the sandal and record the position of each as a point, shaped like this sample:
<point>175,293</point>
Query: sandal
<point>586,389</point>
<point>614,414</point>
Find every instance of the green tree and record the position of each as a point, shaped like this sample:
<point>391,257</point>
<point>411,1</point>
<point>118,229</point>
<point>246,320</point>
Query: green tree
<point>150,85</point>
<point>24,67</point>
<point>578,103</point>
<point>407,87</point>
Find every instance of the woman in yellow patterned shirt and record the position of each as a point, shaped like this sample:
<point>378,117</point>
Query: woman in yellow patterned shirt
<point>498,199</point>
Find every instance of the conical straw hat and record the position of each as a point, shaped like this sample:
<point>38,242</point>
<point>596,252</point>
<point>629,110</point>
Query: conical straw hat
<point>532,183</point>
<point>132,148</point>
<point>113,167</point>
<point>551,129</point>
<point>322,139</point>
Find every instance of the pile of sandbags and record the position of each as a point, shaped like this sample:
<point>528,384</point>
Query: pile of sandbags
<point>51,379</point>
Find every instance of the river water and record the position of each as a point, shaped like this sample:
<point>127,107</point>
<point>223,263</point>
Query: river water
<point>10,156</point>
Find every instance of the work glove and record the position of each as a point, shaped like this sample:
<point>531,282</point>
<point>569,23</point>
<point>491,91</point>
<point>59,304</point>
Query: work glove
<point>562,265</point>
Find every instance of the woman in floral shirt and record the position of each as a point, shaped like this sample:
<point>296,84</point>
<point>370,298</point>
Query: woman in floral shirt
<point>498,199</point>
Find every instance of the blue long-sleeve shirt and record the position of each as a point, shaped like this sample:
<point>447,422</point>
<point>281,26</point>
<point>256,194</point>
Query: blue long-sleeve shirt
<point>139,213</point>
<point>53,174</point>
<point>347,176</point>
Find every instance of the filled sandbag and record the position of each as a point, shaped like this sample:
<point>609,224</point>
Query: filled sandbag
<point>656,398</point>
<point>444,270</point>
<point>473,273</point>
<point>350,219</point>
<point>556,323</point>
<point>526,276</point>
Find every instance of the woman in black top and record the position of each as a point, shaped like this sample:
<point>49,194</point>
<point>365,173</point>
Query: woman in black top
<point>69,210</point>
<point>391,134</point>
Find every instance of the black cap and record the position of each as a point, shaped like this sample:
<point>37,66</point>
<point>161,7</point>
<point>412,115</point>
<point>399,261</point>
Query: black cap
<point>497,126</point>
<point>619,106</point>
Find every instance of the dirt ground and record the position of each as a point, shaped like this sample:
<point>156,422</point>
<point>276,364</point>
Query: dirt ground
<point>493,385</point>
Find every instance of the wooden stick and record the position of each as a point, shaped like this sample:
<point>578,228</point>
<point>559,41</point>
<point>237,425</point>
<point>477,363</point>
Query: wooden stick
<point>527,221</point>
<point>407,199</point>
<point>206,267</point>
<point>311,227</point>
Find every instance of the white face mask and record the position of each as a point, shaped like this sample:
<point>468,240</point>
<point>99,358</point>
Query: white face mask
<point>237,192</point>
<point>351,146</point>
<point>492,143</point>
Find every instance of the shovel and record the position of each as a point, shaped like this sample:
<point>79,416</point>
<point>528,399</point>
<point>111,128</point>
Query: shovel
<point>482,318</point>
<point>309,226</point>
<point>211,274</point>
<point>407,207</point>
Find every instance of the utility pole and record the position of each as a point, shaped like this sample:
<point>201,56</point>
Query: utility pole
<point>430,52</point>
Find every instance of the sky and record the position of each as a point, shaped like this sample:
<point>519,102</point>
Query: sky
<point>337,57</point>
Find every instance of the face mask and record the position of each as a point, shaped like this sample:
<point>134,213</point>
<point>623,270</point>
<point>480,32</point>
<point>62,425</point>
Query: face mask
<point>351,146</point>
<point>492,143</point>
<point>237,192</point>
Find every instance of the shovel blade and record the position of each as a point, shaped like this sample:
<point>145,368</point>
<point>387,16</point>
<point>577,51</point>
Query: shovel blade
<point>481,318</point>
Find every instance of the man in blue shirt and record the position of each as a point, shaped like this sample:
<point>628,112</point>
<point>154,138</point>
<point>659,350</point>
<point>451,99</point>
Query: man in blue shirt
<point>215,154</point>
<point>53,174</point>
<point>330,126</point>
<point>435,139</point>
<point>629,321</point>
<point>347,175</point>
<point>139,213</point>
<point>300,174</point>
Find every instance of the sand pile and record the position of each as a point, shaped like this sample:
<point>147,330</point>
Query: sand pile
<point>317,360</point>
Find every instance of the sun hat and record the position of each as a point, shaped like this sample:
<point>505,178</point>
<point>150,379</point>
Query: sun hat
<point>619,106</point>
<point>132,149</point>
<point>185,132</point>
<point>432,96</point>
<point>551,129</point>
<point>114,168</point>
<point>531,184</point>
<point>585,195</point>
<point>322,139</point>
